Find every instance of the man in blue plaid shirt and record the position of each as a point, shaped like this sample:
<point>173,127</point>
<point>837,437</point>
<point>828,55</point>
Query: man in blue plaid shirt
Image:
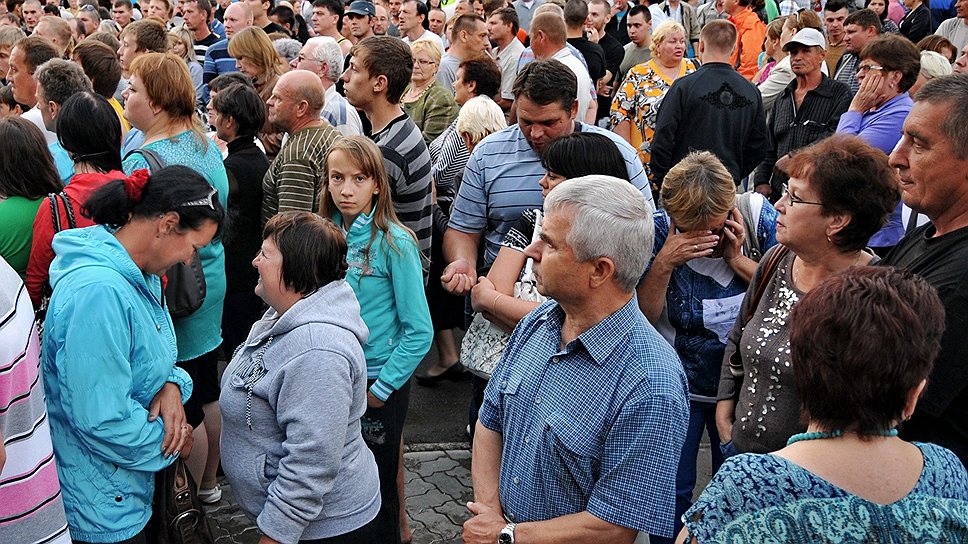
<point>582,423</point>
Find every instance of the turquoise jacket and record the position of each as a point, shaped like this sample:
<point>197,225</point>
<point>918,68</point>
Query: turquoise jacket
<point>108,348</point>
<point>392,303</point>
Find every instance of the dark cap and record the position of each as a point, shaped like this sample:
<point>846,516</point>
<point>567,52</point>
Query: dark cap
<point>362,7</point>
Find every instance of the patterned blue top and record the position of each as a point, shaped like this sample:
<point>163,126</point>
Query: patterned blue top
<point>501,181</point>
<point>201,332</point>
<point>702,304</point>
<point>765,498</point>
<point>596,426</point>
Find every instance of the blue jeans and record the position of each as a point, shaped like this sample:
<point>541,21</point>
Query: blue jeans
<point>702,415</point>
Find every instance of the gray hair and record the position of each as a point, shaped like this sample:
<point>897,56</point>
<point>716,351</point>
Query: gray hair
<point>328,51</point>
<point>953,91</point>
<point>287,48</point>
<point>611,219</point>
<point>480,117</point>
<point>61,79</point>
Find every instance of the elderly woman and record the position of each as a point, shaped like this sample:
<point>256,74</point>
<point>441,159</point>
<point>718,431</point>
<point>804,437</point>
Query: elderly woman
<point>257,58</point>
<point>933,65</point>
<point>475,77</point>
<point>695,283</point>
<point>887,68</point>
<point>426,101</point>
<point>27,175</point>
<point>839,193</point>
<point>637,101</point>
<point>849,474</point>
<point>294,393</point>
<point>160,102</point>
<point>108,380</point>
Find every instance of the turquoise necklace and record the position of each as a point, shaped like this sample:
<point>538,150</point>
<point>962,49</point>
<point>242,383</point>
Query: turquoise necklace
<point>818,435</point>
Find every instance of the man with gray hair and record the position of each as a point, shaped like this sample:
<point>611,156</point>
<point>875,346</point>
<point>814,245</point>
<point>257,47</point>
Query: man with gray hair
<point>932,160</point>
<point>58,80</point>
<point>587,390</point>
<point>297,174</point>
<point>322,56</point>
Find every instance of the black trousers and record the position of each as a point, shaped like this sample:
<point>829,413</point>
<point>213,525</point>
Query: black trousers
<point>367,534</point>
<point>382,432</point>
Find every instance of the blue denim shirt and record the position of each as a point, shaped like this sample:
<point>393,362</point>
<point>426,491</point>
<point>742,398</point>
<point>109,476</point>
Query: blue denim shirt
<point>596,426</point>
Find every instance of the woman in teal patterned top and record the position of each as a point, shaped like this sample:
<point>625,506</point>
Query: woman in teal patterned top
<point>862,344</point>
<point>160,102</point>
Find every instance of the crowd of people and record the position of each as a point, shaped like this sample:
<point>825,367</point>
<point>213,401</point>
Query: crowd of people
<point>232,232</point>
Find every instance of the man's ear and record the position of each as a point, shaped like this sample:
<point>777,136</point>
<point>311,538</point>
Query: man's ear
<point>603,271</point>
<point>380,84</point>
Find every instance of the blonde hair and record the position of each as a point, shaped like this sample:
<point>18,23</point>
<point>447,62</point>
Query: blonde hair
<point>254,44</point>
<point>366,156</point>
<point>184,36</point>
<point>696,190</point>
<point>430,47</point>
<point>662,32</point>
<point>480,117</point>
<point>934,65</point>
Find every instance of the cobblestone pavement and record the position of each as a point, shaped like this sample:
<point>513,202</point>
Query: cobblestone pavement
<point>438,485</point>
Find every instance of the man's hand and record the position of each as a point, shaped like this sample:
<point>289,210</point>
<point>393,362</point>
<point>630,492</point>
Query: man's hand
<point>459,277</point>
<point>372,401</point>
<point>485,526</point>
<point>168,404</point>
<point>593,34</point>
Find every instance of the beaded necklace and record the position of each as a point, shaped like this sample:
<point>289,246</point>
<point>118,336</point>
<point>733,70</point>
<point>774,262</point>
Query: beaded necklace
<point>819,435</point>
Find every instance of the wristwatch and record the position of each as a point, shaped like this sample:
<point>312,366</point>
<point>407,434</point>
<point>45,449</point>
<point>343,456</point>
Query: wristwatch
<point>507,534</point>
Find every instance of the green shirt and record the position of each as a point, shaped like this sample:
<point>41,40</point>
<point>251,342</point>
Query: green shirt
<point>17,217</point>
<point>433,112</point>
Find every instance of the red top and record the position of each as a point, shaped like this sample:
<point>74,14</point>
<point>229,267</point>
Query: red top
<point>78,190</point>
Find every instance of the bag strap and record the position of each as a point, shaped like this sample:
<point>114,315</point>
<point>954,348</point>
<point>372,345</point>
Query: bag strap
<point>69,208</point>
<point>535,235</point>
<point>751,244</point>
<point>768,270</point>
<point>153,159</point>
<point>54,211</point>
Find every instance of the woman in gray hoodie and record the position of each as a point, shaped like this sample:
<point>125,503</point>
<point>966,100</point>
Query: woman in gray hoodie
<point>294,392</point>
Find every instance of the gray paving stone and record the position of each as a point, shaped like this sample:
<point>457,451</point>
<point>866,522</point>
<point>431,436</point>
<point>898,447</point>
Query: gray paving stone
<point>441,464</point>
<point>455,511</point>
<point>459,455</point>
<point>449,485</point>
<point>431,499</point>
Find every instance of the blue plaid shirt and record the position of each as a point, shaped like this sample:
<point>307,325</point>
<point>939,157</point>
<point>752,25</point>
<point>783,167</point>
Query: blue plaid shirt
<point>595,426</point>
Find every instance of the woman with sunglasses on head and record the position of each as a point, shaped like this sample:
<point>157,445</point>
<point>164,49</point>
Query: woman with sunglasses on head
<point>692,288</point>
<point>839,193</point>
<point>109,347</point>
<point>887,68</point>
<point>160,102</point>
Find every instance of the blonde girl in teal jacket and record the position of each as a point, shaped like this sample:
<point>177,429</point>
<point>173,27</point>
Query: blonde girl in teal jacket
<point>109,348</point>
<point>386,274</point>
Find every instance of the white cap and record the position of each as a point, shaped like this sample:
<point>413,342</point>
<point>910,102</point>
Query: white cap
<point>809,37</point>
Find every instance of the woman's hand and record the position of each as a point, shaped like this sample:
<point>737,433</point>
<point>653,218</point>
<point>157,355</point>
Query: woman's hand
<point>870,95</point>
<point>372,401</point>
<point>735,235</point>
<point>680,248</point>
<point>168,404</point>
<point>725,410</point>
<point>483,294</point>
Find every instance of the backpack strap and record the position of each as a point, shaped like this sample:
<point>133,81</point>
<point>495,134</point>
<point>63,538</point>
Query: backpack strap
<point>153,159</point>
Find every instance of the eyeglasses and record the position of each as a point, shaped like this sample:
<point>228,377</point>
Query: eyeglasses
<point>87,7</point>
<point>794,200</point>
<point>207,201</point>
<point>424,62</point>
<point>864,68</point>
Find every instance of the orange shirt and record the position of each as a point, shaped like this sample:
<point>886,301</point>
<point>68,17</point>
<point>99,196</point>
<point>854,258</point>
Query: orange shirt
<point>749,42</point>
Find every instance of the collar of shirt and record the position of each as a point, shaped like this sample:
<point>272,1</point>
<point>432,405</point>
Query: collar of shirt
<point>601,340</point>
<point>824,88</point>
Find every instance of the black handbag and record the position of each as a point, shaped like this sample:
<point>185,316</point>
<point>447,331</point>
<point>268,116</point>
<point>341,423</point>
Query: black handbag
<point>56,200</point>
<point>185,291</point>
<point>176,515</point>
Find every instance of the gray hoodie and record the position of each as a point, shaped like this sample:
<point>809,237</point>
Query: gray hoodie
<point>292,399</point>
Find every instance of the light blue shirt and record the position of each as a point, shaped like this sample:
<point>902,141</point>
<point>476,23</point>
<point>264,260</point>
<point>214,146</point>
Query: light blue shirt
<point>596,426</point>
<point>63,162</point>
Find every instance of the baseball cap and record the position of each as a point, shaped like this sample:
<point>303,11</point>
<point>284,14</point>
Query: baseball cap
<point>809,37</point>
<point>362,7</point>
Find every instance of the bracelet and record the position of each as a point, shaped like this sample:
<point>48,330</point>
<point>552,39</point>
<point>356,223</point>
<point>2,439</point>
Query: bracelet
<point>494,304</point>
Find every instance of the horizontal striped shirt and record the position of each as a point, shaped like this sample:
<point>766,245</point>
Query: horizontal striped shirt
<point>31,504</point>
<point>217,62</point>
<point>298,173</point>
<point>407,162</point>
<point>501,181</point>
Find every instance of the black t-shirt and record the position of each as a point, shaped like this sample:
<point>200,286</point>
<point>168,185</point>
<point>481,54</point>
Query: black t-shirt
<point>942,413</point>
<point>594,56</point>
<point>273,27</point>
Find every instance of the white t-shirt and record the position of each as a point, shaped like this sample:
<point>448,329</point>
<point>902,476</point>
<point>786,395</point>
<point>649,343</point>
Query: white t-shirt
<point>427,35</point>
<point>584,80</point>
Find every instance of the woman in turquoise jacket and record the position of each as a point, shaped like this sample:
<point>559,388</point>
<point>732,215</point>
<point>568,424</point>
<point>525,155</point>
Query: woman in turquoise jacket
<point>109,348</point>
<point>386,273</point>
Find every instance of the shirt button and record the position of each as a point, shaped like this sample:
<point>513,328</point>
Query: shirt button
<point>117,499</point>
<point>516,480</point>
<point>537,400</point>
<point>158,326</point>
<point>527,440</point>
<point>554,359</point>
<point>511,516</point>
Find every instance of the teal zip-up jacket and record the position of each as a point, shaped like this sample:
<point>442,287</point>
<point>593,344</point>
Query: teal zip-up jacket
<point>108,348</point>
<point>392,303</point>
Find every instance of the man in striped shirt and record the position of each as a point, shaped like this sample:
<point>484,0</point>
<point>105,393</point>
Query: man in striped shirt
<point>378,74</point>
<point>196,15</point>
<point>298,173</point>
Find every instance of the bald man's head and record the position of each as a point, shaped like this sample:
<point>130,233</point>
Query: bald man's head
<point>304,85</point>
<point>237,16</point>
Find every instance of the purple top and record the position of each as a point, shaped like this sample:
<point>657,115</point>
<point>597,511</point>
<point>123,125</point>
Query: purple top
<point>881,128</point>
